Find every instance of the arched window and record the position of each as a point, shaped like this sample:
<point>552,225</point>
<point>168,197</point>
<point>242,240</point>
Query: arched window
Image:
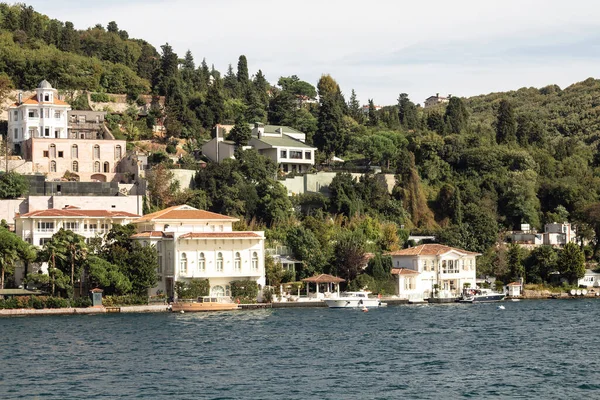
<point>201,262</point>
<point>75,166</point>
<point>52,151</point>
<point>106,167</point>
<point>217,291</point>
<point>220,262</point>
<point>183,264</point>
<point>254,261</point>
<point>52,166</point>
<point>97,166</point>
<point>117,152</point>
<point>96,152</point>
<point>238,262</point>
<point>74,151</point>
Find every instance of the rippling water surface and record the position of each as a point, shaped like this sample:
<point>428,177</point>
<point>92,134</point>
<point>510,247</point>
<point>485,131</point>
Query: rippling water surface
<point>532,349</point>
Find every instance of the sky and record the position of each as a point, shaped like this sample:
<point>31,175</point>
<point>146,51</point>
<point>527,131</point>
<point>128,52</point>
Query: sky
<point>379,48</point>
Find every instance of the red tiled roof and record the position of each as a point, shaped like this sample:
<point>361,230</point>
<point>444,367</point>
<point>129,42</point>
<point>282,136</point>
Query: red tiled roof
<point>212,235</point>
<point>78,213</point>
<point>514,284</point>
<point>152,234</point>
<point>33,100</point>
<point>404,271</point>
<point>428,250</point>
<point>323,278</point>
<point>187,213</point>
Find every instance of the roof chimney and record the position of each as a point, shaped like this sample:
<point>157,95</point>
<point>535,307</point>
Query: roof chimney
<point>20,98</point>
<point>437,95</point>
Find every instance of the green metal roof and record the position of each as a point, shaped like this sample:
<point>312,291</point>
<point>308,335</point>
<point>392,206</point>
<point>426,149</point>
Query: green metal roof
<point>283,141</point>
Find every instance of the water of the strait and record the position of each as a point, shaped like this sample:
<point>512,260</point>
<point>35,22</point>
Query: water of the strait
<point>532,349</point>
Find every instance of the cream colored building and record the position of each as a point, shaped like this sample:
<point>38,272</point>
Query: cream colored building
<point>37,227</point>
<point>418,269</point>
<point>194,243</point>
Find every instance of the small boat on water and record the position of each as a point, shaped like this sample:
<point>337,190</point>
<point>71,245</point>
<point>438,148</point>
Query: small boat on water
<point>480,296</point>
<point>354,300</point>
<point>203,304</point>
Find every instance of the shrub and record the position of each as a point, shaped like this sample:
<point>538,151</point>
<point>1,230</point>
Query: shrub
<point>81,302</point>
<point>56,302</point>
<point>126,300</point>
<point>245,291</point>
<point>100,97</point>
<point>171,149</point>
<point>39,302</point>
<point>193,289</point>
<point>268,295</point>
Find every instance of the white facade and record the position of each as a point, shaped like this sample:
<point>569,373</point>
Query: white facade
<point>555,234</point>
<point>42,115</point>
<point>194,244</point>
<point>419,269</point>
<point>590,279</point>
<point>38,227</point>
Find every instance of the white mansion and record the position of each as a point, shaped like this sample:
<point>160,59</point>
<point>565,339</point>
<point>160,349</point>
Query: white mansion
<point>419,269</point>
<point>194,243</point>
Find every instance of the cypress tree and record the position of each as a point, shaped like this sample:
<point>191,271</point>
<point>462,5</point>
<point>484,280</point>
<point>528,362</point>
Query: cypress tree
<point>456,116</point>
<point>242,72</point>
<point>330,137</point>
<point>506,124</point>
<point>372,115</point>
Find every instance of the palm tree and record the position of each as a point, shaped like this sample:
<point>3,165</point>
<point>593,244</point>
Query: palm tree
<point>69,248</point>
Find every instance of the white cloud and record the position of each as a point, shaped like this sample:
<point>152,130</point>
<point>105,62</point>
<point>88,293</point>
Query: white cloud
<point>380,48</point>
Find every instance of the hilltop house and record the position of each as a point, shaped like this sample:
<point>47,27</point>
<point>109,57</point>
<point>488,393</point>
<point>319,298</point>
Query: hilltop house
<point>555,234</point>
<point>46,133</point>
<point>282,144</point>
<point>432,269</point>
<point>432,101</point>
<point>194,243</point>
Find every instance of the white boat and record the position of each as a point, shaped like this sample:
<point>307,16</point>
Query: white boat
<point>353,300</point>
<point>480,296</point>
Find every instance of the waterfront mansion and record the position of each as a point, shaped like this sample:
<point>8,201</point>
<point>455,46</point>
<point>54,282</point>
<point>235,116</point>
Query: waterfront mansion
<point>194,243</point>
<point>430,270</point>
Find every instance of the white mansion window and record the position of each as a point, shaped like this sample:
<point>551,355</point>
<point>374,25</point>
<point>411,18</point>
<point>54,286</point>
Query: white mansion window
<point>183,264</point>
<point>117,152</point>
<point>97,166</point>
<point>72,226</point>
<point>220,262</point>
<point>45,226</point>
<point>254,261</point>
<point>96,152</point>
<point>74,151</point>
<point>52,151</point>
<point>238,262</point>
<point>52,166</point>
<point>201,262</point>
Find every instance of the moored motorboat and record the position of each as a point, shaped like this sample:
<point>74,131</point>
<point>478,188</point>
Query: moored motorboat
<point>203,304</point>
<point>480,296</point>
<point>354,300</point>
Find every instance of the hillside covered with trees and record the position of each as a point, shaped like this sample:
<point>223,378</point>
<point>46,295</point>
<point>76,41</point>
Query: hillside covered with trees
<point>467,171</point>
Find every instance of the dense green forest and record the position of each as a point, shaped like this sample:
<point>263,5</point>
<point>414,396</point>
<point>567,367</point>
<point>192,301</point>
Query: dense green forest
<point>466,171</point>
